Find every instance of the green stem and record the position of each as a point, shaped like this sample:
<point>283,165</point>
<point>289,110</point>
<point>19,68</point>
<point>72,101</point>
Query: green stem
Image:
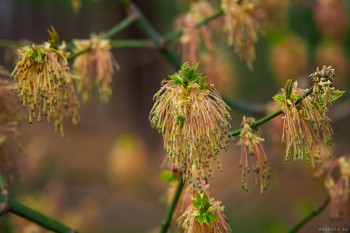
<point>310,216</point>
<point>154,36</point>
<point>249,108</point>
<point>145,25</point>
<point>130,43</point>
<point>170,211</point>
<point>12,43</point>
<point>174,34</point>
<point>269,117</point>
<point>120,26</point>
<point>34,216</point>
<point>114,30</point>
<point>76,54</point>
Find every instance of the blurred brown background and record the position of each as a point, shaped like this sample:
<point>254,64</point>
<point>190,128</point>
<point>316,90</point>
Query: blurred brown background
<point>104,175</point>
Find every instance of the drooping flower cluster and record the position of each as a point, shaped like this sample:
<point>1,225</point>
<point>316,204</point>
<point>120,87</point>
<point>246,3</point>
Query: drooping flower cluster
<point>42,82</point>
<point>305,120</point>
<point>250,143</point>
<point>338,188</point>
<point>95,67</point>
<point>242,21</point>
<point>193,120</point>
<point>194,40</point>
<point>197,43</point>
<point>300,135</point>
<point>204,215</point>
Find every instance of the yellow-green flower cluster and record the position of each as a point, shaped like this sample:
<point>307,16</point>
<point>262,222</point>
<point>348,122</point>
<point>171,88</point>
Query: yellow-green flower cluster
<point>42,82</point>
<point>301,137</point>
<point>322,97</point>
<point>195,41</point>
<point>193,120</point>
<point>305,120</point>
<point>242,21</point>
<point>250,143</point>
<point>95,67</point>
<point>204,215</point>
<point>197,44</point>
<point>323,91</point>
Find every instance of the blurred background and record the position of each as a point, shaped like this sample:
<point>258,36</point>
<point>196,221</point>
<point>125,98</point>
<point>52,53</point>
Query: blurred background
<point>104,175</point>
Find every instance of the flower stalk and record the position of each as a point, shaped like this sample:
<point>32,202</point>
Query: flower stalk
<point>34,216</point>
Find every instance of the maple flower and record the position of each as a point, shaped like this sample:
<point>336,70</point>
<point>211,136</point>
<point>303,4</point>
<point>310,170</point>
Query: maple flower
<point>194,39</point>
<point>322,97</point>
<point>242,21</point>
<point>204,215</point>
<point>95,68</point>
<point>324,93</point>
<point>197,43</point>
<point>250,143</point>
<point>304,124</point>
<point>193,120</point>
<point>42,82</point>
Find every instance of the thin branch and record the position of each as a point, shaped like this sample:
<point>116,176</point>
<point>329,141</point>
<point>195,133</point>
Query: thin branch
<point>76,54</point>
<point>12,43</point>
<point>249,108</point>
<point>131,44</point>
<point>171,208</point>
<point>269,117</point>
<point>114,30</point>
<point>120,26</point>
<point>34,216</point>
<point>111,32</point>
<point>174,34</point>
<point>310,216</point>
<point>154,36</point>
